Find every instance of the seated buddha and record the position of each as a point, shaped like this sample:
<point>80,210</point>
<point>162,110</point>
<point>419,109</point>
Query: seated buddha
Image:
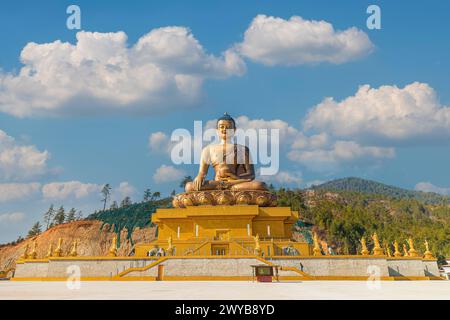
<point>233,168</point>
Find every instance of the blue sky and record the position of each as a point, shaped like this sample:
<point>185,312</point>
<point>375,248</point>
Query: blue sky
<point>92,147</point>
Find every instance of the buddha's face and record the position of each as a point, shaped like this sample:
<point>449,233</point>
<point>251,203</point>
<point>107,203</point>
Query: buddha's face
<point>225,129</point>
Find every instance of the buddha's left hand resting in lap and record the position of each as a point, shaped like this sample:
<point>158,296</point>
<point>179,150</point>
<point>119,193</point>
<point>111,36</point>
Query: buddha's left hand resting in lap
<point>231,162</point>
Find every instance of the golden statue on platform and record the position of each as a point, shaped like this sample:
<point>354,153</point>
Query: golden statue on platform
<point>25,253</point>
<point>169,246</point>
<point>50,251</point>
<point>113,248</point>
<point>234,174</point>
<point>58,250</point>
<point>427,254</point>
<point>316,251</point>
<point>33,254</point>
<point>364,250</point>
<point>405,251</point>
<point>377,250</point>
<point>397,252</point>
<point>73,251</point>
<point>412,252</point>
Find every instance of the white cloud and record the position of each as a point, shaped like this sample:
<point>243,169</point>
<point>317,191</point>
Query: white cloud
<point>21,162</point>
<point>168,174</point>
<point>285,177</point>
<point>275,41</point>
<point>69,189</point>
<point>125,189</point>
<point>13,217</point>
<point>101,73</point>
<point>338,154</point>
<point>429,187</point>
<point>18,191</point>
<point>159,142</point>
<point>385,115</point>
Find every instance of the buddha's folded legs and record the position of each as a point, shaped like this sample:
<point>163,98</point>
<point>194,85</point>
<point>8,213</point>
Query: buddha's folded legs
<point>232,185</point>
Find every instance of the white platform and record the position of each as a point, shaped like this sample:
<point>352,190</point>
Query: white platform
<point>227,290</point>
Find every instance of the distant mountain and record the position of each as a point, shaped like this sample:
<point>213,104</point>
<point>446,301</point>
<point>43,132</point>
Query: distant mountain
<point>368,186</point>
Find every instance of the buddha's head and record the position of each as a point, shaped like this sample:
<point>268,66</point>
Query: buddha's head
<point>226,126</point>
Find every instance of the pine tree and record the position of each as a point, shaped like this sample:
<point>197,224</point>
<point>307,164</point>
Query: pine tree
<point>71,215</point>
<point>125,202</point>
<point>147,195</point>
<point>173,193</point>
<point>114,205</point>
<point>60,216</point>
<point>48,216</point>
<point>155,195</point>
<point>35,230</point>
<point>79,215</point>
<point>106,192</point>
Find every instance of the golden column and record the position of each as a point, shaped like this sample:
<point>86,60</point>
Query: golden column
<point>397,253</point>
<point>316,250</point>
<point>427,254</point>
<point>412,252</point>
<point>113,248</point>
<point>33,254</point>
<point>364,250</point>
<point>257,245</point>
<point>377,250</point>
<point>50,251</point>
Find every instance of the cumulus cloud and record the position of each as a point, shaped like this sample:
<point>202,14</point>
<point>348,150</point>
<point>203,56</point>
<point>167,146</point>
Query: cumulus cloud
<point>168,174</point>
<point>338,154</point>
<point>387,114</point>
<point>159,142</point>
<point>275,41</point>
<point>12,217</point>
<point>69,189</point>
<point>21,162</point>
<point>18,191</point>
<point>284,177</point>
<point>101,73</point>
<point>124,189</point>
<point>429,187</point>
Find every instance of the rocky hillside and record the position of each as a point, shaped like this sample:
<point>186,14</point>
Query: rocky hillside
<point>93,235</point>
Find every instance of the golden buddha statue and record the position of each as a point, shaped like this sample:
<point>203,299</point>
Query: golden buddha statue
<point>364,250</point>
<point>234,174</point>
<point>231,162</point>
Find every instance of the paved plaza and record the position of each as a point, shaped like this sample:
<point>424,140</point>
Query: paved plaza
<point>227,290</point>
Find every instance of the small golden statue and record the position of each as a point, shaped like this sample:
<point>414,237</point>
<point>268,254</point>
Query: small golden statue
<point>73,251</point>
<point>387,250</point>
<point>316,251</point>
<point>397,253</point>
<point>364,250</point>
<point>412,252</point>
<point>113,248</point>
<point>405,251</point>
<point>50,251</point>
<point>257,245</point>
<point>377,250</point>
<point>25,253</point>
<point>33,254</point>
<point>428,254</point>
<point>58,250</point>
<point>169,246</point>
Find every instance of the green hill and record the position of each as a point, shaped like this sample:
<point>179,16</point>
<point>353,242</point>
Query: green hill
<point>373,187</point>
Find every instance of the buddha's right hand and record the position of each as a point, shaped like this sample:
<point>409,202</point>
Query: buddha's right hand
<point>198,182</point>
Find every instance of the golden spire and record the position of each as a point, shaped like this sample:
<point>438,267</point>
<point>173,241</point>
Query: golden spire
<point>316,250</point>
<point>405,251</point>
<point>25,253</point>
<point>364,250</point>
<point>397,253</point>
<point>58,250</point>
<point>377,250</point>
<point>33,253</point>
<point>427,254</point>
<point>73,252</point>
<point>50,251</point>
<point>113,248</point>
<point>412,252</point>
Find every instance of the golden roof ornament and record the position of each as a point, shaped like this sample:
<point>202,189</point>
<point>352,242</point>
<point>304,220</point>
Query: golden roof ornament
<point>316,251</point>
<point>58,250</point>
<point>377,250</point>
<point>113,248</point>
<point>428,254</point>
<point>364,250</point>
<point>397,253</point>
<point>412,252</point>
